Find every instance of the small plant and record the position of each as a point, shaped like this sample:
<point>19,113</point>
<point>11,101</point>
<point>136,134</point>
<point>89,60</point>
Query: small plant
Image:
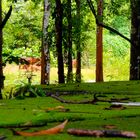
<point>27,89</point>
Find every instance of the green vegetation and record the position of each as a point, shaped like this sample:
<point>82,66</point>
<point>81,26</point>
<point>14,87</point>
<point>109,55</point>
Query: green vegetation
<point>87,116</point>
<point>28,43</point>
<point>22,38</point>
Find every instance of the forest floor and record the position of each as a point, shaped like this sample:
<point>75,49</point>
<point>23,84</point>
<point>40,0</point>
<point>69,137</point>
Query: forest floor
<point>85,106</point>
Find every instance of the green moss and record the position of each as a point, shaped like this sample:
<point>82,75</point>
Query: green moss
<point>82,116</point>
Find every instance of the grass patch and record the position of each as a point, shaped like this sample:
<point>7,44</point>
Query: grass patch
<point>82,116</point>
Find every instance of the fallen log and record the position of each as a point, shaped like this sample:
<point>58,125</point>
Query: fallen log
<point>75,102</point>
<point>102,133</point>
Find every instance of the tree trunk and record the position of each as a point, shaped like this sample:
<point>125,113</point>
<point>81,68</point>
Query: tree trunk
<point>99,44</point>
<point>78,45</point>
<point>1,41</point>
<point>69,19</point>
<point>58,26</point>
<point>2,24</point>
<point>45,56</point>
<point>135,37</point>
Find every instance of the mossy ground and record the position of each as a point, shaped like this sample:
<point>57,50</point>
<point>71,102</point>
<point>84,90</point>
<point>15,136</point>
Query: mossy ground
<point>82,116</point>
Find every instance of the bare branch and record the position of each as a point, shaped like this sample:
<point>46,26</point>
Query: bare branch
<point>71,102</point>
<point>6,18</point>
<point>105,26</point>
<point>93,101</point>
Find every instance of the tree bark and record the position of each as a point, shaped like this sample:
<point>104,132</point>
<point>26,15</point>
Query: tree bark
<point>1,42</point>
<point>135,37</point>
<point>69,19</point>
<point>99,44</point>
<point>2,24</point>
<point>45,54</point>
<point>78,45</point>
<point>58,26</point>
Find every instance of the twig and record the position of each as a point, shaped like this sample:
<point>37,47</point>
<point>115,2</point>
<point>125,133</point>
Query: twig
<point>71,102</point>
<point>79,102</point>
<point>93,101</point>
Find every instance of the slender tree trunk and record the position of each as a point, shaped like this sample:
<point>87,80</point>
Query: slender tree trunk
<point>58,26</point>
<point>99,44</point>
<point>78,45</point>
<point>1,42</point>
<point>135,37</point>
<point>45,56</point>
<point>2,24</point>
<point>69,18</point>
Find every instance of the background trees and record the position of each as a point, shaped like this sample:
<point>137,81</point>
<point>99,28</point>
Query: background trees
<point>58,28</point>
<point>69,41</point>
<point>26,32</point>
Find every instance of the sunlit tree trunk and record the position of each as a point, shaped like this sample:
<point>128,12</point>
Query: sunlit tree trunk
<point>78,39</point>
<point>45,56</point>
<point>135,37</point>
<point>99,44</point>
<point>69,43</point>
<point>58,27</point>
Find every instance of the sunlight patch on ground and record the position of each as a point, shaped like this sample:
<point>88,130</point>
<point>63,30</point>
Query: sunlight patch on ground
<point>14,75</point>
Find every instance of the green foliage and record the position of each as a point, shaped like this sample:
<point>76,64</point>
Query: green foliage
<point>116,58</point>
<point>27,90</point>
<point>25,31</point>
<point>116,8</point>
<point>122,24</point>
<point>23,89</point>
<point>116,46</point>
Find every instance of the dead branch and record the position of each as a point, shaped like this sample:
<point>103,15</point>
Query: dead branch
<point>93,101</point>
<point>71,102</point>
<point>105,26</point>
<point>6,18</point>
<point>102,133</point>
